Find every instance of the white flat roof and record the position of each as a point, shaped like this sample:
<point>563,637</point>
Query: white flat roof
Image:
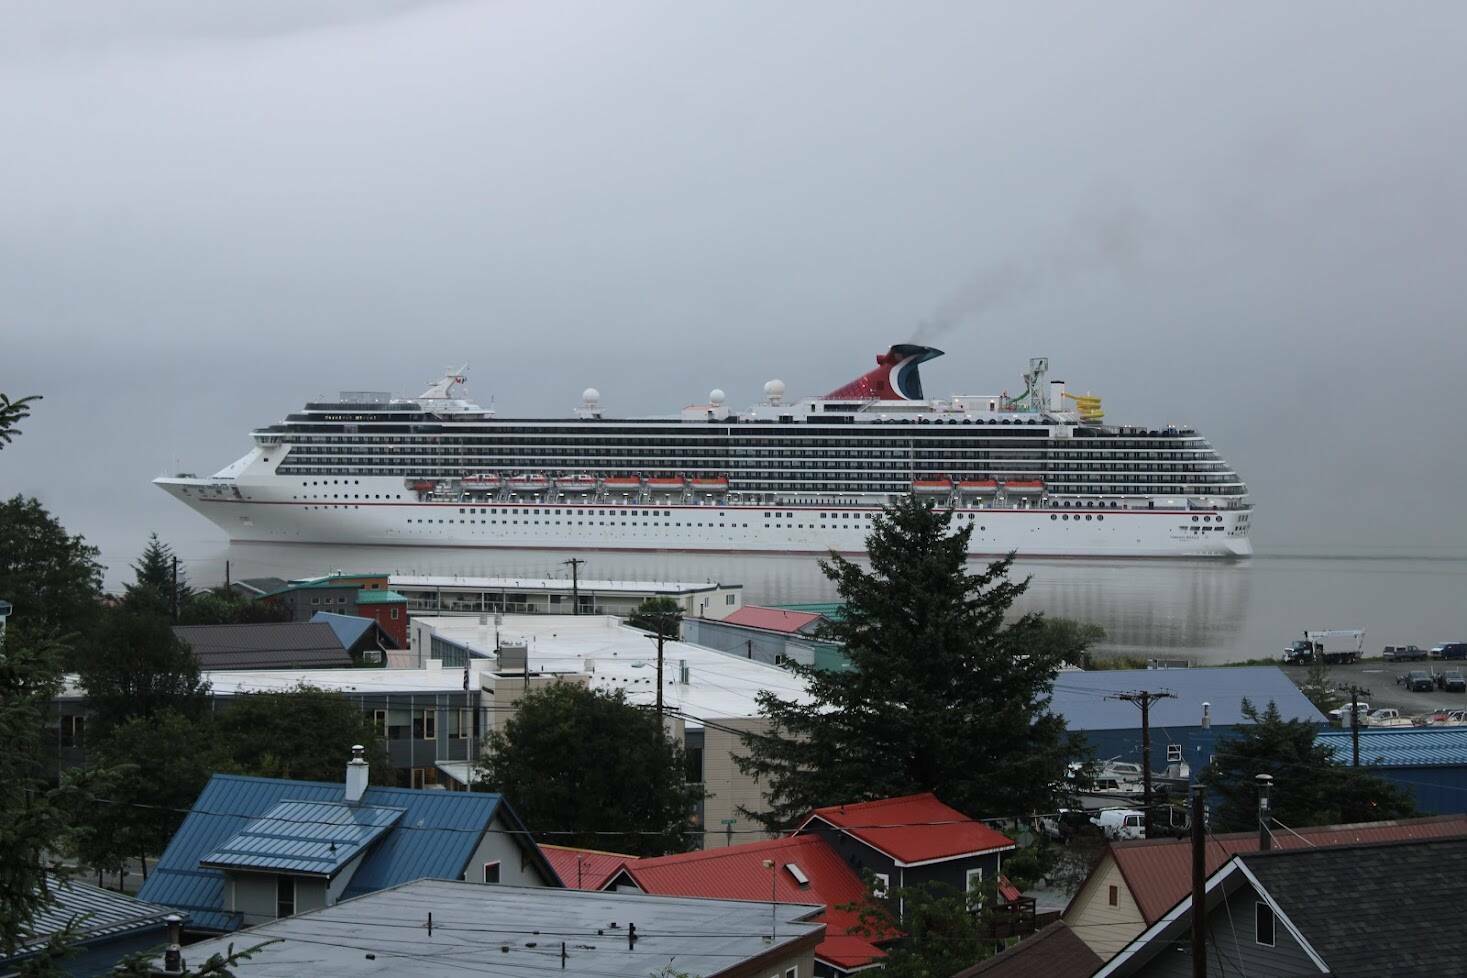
<point>554,584</point>
<point>615,656</point>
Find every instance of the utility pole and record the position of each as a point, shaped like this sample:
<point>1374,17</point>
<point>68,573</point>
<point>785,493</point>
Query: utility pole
<point>226,575</point>
<point>1265,837</point>
<point>1199,886</point>
<point>1355,692</point>
<point>575,566</point>
<point>173,602</point>
<point>1144,699</point>
<point>660,639</point>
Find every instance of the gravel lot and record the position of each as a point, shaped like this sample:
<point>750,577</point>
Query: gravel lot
<point>1379,677</point>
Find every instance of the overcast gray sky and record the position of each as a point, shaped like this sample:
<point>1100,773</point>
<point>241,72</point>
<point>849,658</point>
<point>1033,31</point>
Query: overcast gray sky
<point>1249,217</point>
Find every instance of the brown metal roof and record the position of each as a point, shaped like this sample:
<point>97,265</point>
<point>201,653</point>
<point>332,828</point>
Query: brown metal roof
<point>266,645</point>
<point>1158,872</point>
<point>1054,951</point>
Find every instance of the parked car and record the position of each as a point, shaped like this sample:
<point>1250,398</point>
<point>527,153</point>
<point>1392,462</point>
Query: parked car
<point>1341,714</point>
<point>1403,653</point>
<point>1419,681</point>
<point>1452,681</point>
<point>1121,823</point>
<point>1450,650</point>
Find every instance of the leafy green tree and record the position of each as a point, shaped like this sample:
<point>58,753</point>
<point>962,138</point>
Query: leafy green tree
<point>136,667</point>
<point>658,615</point>
<point>927,931</point>
<point>137,785</point>
<point>1310,787</point>
<point>12,413</point>
<point>51,578</point>
<point>32,815</point>
<point>945,696</point>
<point>154,572</point>
<point>584,760</point>
<point>223,606</point>
<point>304,733</point>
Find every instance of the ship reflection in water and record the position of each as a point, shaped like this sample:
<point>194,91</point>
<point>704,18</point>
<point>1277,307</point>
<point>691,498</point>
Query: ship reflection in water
<point>1192,609</point>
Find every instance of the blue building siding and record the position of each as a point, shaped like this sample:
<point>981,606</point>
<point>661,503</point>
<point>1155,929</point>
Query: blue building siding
<point>1198,744</point>
<point>1429,762</point>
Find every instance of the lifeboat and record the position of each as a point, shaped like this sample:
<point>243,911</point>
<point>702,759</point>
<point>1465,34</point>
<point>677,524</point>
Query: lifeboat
<point>717,484</point>
<point>1024,485</point>
<point>667,483</point>
<point>482,481</point>
<point>932,487</point>
<point>531,482</point>
<point>978,487</point>
<point>575,483</point>
<point>622,483</point>
<point>422,485</point>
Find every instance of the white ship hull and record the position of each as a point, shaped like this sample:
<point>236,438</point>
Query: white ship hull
<point>371,511</point>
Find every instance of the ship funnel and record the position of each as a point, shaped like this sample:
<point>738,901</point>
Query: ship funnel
<point>895,378</point>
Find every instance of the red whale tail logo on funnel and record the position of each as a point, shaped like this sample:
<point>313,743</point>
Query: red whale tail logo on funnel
<point>895,378</point>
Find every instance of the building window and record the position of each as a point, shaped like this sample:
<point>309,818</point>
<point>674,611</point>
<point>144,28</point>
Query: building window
<point>1114,896</point>
<point>729,598</point>
<point>491,872</point>
<point>394,614</point>
<point>379,722</point>
<point>792,972</point>
<point>73,730</point>
<point>973,885</point>
<point>465,724</point>
<point>425,725</point>
<point>881,885</point>
<point>284,896</point>
<point>1263,924</point>
<point>1173,753</point>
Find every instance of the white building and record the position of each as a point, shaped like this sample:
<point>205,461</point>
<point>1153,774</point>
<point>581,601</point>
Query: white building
<point>438,595</point>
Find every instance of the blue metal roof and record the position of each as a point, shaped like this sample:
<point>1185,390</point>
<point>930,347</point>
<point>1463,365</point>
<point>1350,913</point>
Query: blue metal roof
<point>348,628</point>
<point>305,837</point>
<point>1081,697</point>
<point>435,837</point>
<point>1402,747</point>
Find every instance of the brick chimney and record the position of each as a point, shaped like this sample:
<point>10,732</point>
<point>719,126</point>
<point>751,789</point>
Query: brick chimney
<point>356,775</point>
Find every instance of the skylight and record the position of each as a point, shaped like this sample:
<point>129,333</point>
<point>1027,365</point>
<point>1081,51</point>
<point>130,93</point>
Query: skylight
<point>798,874</point>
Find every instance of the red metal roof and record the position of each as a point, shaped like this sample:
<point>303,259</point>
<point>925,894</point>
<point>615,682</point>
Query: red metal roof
<point>738,873</point>
<point>1158,872</point>
<point>772,619</point>
<point>584,869</point>
<point>913,829</point>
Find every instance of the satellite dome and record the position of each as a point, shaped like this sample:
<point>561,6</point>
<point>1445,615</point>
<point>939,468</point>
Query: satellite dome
<point>590,395</point>
<point>774,388</point>
<point>716,396</point>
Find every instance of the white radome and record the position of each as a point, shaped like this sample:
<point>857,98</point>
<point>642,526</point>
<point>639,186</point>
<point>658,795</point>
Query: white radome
<point>590,395</point>
<point>775,388</point>
<point>716,396</point>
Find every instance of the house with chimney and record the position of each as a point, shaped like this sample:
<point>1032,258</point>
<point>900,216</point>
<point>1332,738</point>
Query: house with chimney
<point>253,850</point>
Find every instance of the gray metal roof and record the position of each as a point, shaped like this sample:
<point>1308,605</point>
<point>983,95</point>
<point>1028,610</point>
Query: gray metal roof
<point>514,931</point>
<point>1086,699</point>
<point>99,913</point>
<point>265,645</point>
<point>305,837</point>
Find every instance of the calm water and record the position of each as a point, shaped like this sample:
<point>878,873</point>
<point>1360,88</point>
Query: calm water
<point>1202,610</point>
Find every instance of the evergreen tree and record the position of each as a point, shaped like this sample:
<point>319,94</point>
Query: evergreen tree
<point>944,696</point>
<point>222,606</point>
<point>587,761</point>
<point>659,615</point>
<point>1310,786</point>
<point>136,667</point>
<point>51,578</point>
<point>154,571</point>
<point>32,815</point>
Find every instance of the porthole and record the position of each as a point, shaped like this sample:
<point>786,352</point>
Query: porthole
<point>1053,516</point>
<point>1098,518</point>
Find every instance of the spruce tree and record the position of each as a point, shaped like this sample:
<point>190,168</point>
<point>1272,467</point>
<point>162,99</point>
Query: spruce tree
<point>154,571</point>
<point>945,695</point>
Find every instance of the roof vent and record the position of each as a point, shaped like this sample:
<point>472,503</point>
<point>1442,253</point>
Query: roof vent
<point>356,775</point>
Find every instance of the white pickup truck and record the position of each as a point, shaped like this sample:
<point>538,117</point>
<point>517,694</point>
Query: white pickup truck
<point>1385,717</point>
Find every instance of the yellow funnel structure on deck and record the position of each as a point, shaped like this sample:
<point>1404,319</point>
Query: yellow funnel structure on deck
<point>1087,406</point>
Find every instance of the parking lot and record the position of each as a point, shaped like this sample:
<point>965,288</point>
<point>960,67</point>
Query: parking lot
<point>1379,677</point>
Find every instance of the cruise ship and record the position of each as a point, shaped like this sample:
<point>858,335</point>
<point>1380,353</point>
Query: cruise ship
<point>1039,473</point>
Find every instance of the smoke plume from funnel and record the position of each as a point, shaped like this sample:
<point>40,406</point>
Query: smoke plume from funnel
<point>1109,242</point>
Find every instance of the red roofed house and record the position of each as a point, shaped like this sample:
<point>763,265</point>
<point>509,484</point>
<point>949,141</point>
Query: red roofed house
<point>911,841</point>
<point>584,869</point>
<point>775,620</point>
<point>803,870</point>
<point>1136,883</point>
